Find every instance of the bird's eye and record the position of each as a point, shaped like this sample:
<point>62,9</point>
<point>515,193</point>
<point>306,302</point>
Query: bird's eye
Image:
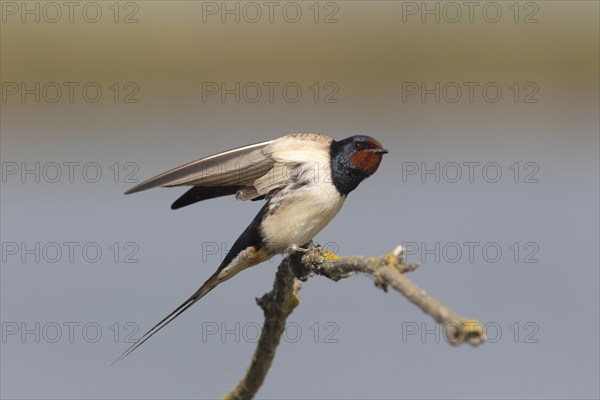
<point>358,145</point>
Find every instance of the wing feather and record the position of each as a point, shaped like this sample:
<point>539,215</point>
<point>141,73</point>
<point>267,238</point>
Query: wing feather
<point>251,172</point>
<point>199,193</point>
<point>237,167</point>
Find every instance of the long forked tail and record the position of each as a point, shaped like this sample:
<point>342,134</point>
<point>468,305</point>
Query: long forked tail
<point>209,285</point>
<point>245,252</point>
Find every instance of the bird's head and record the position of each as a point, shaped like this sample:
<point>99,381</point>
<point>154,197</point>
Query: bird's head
<point>353,159</point>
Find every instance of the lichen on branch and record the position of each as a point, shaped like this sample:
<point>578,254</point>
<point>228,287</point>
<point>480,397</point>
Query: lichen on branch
<point>386,271</point>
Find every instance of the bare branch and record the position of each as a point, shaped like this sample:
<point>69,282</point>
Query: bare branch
<point>389,271</point>
<point>276,306</point>
<point>386,271</point>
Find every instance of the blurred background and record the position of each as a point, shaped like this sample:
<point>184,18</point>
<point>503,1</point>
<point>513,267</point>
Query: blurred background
<point>489,111</point>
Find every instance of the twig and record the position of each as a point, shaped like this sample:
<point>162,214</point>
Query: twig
<point>388,270</point>
<point>276,305</point>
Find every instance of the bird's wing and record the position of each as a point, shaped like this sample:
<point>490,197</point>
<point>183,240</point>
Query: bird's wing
<point>297,157</point>
<point>251,172</point>
<point>229,170</point>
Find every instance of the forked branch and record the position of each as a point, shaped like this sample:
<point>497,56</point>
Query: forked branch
<point>386,271</point>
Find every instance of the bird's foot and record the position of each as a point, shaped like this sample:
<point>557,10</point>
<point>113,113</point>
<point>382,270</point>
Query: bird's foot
<point>293,248</point>
<point>325,252</point>
<point>328,255</point>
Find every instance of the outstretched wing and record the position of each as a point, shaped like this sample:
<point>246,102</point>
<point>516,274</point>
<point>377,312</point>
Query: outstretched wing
<point>250,172</point>
<point>218,175</point>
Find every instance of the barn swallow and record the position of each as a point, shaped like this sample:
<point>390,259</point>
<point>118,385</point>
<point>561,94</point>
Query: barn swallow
<point>304,178</point>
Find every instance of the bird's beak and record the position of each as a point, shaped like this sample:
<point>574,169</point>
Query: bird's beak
<point>381,151</point>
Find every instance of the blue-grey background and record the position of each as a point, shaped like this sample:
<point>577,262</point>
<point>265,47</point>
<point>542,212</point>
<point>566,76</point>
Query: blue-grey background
<point>346,339</point>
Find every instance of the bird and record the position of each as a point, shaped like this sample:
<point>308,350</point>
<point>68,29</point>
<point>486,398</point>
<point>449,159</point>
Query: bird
<point>304,178</point>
